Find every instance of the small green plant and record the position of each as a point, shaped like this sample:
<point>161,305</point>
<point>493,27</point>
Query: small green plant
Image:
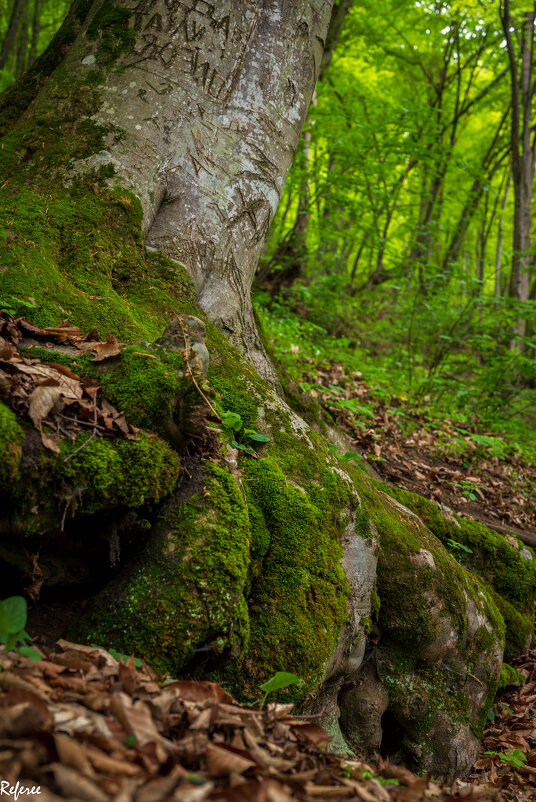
<point>514,758</point>
<point>279,681</point>
<point>232,424</point>
<point>456,546</point>
<point>119,655</point>
<point>13,615</point>
<point>124,657</point>
<point>348,456</point>
<point>11,304</point>
<point>467,487</point>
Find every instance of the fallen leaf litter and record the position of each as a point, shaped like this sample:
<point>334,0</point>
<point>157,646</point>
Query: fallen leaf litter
<point>85,726</point>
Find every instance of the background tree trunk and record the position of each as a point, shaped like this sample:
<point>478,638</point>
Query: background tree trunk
<point>523,144</point>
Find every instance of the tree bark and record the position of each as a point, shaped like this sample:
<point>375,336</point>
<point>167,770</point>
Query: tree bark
<point>36,28</point>
<point>10,39</point>
<point>22,44</point>
<point>209,101</point>
<point>523,144</point>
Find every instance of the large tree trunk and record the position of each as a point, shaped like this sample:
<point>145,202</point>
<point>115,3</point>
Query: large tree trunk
<point>209,102</point>
<point>182,118</point>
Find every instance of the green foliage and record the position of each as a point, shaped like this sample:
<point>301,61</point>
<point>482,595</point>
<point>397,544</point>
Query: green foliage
<point>13,636</point>
<point>510,677</point>
<point>282,679</point>
<point>233,424</point>
<point>513,758</point>
<point>456,546</point>
<point>400,210</point>
<point>119,656</point>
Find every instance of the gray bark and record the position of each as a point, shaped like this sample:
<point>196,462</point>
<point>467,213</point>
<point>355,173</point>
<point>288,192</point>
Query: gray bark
<point>210,102</point>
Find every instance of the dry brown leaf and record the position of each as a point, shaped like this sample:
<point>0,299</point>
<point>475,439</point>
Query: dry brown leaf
<point>203,720</point>
<point>127,674</point>
<point>105,350</point>
<point>111,765</point>
<point>416,791</point>
<point>21,719</point>
<point>222,762</point>
<point>91,651</point>
<point>200,691</point>
<point>313,732</point>
<point>63,369</point>
<point>193,793</point>
<point>160,788</point>
<point>73,754</point>
<point>73,784</point>
<point>333,792</point>
<point>136,719</point>
<point>42,400</point>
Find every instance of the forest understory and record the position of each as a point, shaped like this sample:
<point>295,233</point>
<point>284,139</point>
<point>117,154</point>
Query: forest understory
<point>267,400</point>
<point>84,723</point>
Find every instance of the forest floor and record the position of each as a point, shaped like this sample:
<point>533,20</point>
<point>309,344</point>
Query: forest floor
<point>466,470</point>
<point>83,725</point>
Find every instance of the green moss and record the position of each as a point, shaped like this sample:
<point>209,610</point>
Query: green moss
<point>102,475</point>
<point>509,577</point>
<point>122,473</point>
<point>375,601</point>
<point>188,591</point>
<point>144,383</point>
<point>63,253</point>
<point>11,438</point>
<point>17,98</point>
<point>110,24</point>
<point>298,595</point>
<point>510,676</point>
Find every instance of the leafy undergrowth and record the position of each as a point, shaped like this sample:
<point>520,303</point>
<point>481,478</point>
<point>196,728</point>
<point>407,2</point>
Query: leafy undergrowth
<point>476,473</point>
<point>81,724</point>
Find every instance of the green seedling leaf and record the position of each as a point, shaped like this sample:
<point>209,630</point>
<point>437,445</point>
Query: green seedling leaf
<point>232,420</point>
<point>350,456</point>
<point>247,449</point>
<point>28,651</point>
<point>130,741</point>
<point>16,611</point>
<point>280,680</point>
<point>259,438</point>
<point>195,779</point>
<point>10,640</point>
<point>459,546</point>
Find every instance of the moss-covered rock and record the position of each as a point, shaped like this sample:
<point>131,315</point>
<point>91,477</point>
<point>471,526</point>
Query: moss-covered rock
<point>437,651</point>
<point>509,574</point>
<point>11,439</point>
<point>185,592</point>
<point>510,677</point>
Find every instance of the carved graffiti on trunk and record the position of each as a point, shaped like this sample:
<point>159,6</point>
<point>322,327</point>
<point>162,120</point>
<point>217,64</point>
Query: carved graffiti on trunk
<point>203,49</point>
